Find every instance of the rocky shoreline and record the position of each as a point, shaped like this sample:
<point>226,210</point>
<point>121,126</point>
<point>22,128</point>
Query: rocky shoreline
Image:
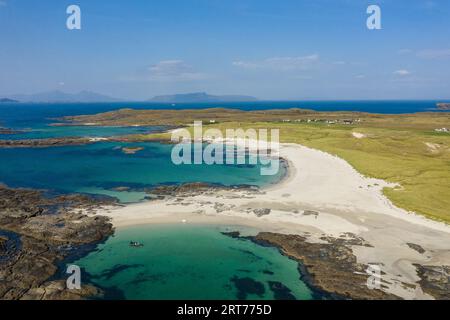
<point>49,142</point>
<point>331,269</point>
<point>38,232</point>
<point>443,106</point>
<point>76,141</point>
<point>9,131</point>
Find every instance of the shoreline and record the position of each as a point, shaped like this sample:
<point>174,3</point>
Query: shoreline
<point>289,175</point>
<point>321,196</point>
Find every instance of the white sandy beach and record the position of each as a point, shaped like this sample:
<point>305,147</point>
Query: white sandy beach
<point>337,199</point>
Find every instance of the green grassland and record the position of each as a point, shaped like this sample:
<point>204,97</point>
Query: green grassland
<point>395,155</point>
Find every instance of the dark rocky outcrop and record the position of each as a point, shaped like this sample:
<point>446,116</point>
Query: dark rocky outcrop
<point>262,212</point>
<point>195,188</point>
<point>416,247</point>
<point>47,230</point>
<point>50,142</point>
<point>435,280</point>
<point>330,269</point>
<point>9,131</point>
<point>443,106</point>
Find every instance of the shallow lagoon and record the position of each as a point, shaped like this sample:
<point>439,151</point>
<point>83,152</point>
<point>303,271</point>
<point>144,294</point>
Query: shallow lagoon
<point>191,262</point>
<point>101,168</point>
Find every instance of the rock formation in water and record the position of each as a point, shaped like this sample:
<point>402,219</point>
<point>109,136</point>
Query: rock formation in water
<point>36,233</point>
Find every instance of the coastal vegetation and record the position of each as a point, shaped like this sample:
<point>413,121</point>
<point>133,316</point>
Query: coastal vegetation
<point>403,149</point>
<point>417,160</point>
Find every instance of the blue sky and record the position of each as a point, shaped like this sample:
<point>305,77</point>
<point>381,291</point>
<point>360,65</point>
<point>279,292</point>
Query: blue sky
<point>271,49</point>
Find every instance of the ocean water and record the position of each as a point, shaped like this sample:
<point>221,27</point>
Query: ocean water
<point>26,115</point>
<point>101,168</point>
<point>190,262</point>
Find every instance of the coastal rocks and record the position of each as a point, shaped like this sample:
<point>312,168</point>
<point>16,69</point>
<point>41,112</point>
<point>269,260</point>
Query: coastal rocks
<point>40,143</point>
<point>9,131</point>
<point>25,203</point>
<point>47,230</point>
<point>310,213</point>
<point>193,189</point>
<point>10,245</point>
<point>187,189</point>
<point>435,280</point>
<point>416,247</point>
<point>56,290</point>
<point>221,207</point>
<point>330,268</point>
<point>262,212</point>
<point>3,241</point>
<point>443,106</point>
<point>131,150</point>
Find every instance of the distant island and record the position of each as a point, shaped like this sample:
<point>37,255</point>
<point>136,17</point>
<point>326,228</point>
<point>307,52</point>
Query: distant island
<point>443,106</point>
<point>6,100</point>
<point>201,97</point>
<point>60,96</point>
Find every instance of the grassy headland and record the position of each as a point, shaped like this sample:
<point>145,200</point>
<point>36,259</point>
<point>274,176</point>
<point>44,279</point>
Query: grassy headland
<point>404,149</point>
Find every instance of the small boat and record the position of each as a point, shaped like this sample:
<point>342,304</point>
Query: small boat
<point>136,244</point>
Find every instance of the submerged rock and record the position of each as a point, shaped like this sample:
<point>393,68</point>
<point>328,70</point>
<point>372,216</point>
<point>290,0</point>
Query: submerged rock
<point>246,286</point>
<point>280,291</point>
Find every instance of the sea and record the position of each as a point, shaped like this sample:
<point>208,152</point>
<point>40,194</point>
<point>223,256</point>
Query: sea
<point>176,261</point>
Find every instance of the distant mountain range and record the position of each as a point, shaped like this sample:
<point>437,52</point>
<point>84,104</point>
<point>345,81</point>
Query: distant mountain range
<point>201,97</point>
<point>89,96</point>
<point>59,96</point>
<point>6,100</point>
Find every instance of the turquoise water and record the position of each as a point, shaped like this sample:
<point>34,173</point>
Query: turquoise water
<point>179,262</point>
<point>190,262</point>
<point>102,167</point>
<point>45,131</point>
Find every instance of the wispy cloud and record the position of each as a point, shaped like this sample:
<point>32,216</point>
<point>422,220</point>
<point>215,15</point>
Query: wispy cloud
<point>404,51</point>
<point>402,72</point>
<point>280,63</point>
<point>434,54</point>
<point>169,71</point>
